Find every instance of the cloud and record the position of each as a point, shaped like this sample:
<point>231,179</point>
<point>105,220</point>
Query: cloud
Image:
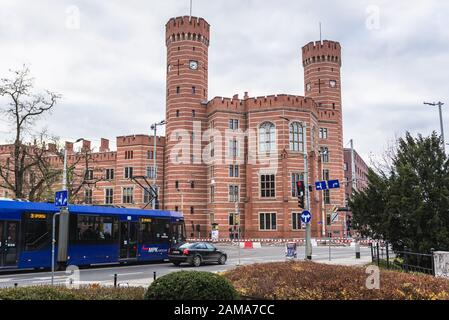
<point>111,71</point>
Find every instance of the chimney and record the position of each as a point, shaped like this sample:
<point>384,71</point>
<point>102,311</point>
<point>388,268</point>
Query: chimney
<point>104,147</point>
<point>246,95</point>
<point>52,147</point>
<point>235,97</point>
<point>86,146</point>
<point>69,147</point>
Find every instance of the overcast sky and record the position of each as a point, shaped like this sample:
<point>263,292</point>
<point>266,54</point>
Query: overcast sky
<point>110,64</point>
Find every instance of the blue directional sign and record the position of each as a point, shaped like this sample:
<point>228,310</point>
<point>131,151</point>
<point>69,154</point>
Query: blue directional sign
<point>61,198</point>
<point>333,184</point>
<point>306,216</point>
<point>321,185</point>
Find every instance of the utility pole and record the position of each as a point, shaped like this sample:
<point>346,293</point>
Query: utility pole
<point>439,104</point>
<point>154,128</point>
<point>353,172</point>
<point>237,218</point>
<point>308,247</point>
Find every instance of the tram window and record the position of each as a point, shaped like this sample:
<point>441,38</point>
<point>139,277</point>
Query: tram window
<point>37,231</point>
<point>178,232</point>
<point>146,235</point>
<point>94,228</point>
<point>161,230</point>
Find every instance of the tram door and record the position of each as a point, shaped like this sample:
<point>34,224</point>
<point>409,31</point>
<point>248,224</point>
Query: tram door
<point>8,243</point>
<point>128,239</point>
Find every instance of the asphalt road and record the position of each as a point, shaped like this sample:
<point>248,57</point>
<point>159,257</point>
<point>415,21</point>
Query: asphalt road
<point>142,275</point>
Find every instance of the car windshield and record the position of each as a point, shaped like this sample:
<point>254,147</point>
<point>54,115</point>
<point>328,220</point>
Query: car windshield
<point>186,245</point>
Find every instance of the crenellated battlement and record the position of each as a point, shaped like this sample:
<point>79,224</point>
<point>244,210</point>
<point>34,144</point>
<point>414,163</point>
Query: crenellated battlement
<point>321,51</point>
<point>262,102</point>
<point>139,139</point>
<point>187,28</point>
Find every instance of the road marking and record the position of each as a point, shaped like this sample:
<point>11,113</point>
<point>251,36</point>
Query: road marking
<point>127,274</point>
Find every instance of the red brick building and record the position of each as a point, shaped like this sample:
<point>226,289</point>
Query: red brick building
<point>244,153</point>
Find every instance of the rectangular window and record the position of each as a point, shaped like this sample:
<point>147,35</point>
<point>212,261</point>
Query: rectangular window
<point>233,124</point>
<point>109,196</point>
<point>231,171</point>
<point>324,153</point>
<point>296,221</point>
<point>95,228</point>
<point>129,154</point>
<point>109,174</point>
<point>323,133</point>
<point>37,231</point>
<point>193,113</point>
<point>212,172</point>
<point>345,166</point>
<point>88,196</point>
<point>128,172</point>
<point>236,171</point>
<point>128,195</point>
<point>212,194</point>
<point>295,178</point>
<point>151,173</point>
<point>89,175</point>
<point>267,186</point>
<point>147,195</point>
<point>267,221</point>
<point>177,113</point>
<point>178,90</point>
<point>326,174</point>
<point>327,196</point>
<point>233,148</point>
<point>150,154</point>
<point>176,185</point>
<point>193,90</point>
<point>233,193</point>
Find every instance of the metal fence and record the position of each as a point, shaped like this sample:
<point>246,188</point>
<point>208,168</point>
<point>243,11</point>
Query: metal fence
<point>407,261</point>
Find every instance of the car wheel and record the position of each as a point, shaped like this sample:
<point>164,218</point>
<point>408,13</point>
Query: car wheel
<point>196,262</point>
<point>222,259</point>
<point>177,263</point>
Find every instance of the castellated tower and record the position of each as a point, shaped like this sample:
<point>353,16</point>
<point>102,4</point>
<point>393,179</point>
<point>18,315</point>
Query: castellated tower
<point>322,81</point>
<point>187,40</point>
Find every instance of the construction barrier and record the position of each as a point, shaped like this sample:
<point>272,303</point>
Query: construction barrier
<point>337,241</point>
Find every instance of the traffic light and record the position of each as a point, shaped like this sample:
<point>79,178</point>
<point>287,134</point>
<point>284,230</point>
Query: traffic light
<point>300,189</point>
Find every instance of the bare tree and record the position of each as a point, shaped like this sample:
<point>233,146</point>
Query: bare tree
<point>22,108</point>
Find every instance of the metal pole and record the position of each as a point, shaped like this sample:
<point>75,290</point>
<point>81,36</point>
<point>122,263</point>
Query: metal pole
<point>308,247</point>
<point>53,240</point>
<point>329,246</point>
<point>238,228</point>
<point>64,172</point>
<point>353,172</point>
<point>440,104</point>
<point>154,165</point>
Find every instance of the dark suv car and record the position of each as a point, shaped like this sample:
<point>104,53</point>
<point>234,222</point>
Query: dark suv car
<point>196,253</point>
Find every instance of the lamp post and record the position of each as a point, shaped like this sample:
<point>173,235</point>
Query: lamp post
<point>154,128</point>
<point>62,211</point>
<point>439,104</point>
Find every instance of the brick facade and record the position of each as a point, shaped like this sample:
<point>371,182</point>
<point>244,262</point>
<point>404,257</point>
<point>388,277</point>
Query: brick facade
<point>263,136</point>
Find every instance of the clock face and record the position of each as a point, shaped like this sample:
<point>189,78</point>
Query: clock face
<point>333,83</point>
<point>193,65</point>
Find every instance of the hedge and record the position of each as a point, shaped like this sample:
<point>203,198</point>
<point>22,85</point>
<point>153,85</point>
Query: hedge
<point>191,285</point>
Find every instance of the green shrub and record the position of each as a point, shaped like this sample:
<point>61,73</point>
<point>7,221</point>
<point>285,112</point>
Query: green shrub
<point>91,292</point>
<point>37,293</point>
<point>191,285</point>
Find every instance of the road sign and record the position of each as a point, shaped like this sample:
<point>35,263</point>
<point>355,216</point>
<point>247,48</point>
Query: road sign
<point>61,198</point>
<point>334,216</point>
<point>321,185</point>
<point>333,184</point>
<point>306,216</point>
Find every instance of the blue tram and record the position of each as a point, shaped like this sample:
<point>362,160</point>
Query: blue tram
<point>97,234</point>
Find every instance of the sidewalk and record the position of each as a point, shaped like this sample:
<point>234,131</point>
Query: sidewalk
<point>347,261</point>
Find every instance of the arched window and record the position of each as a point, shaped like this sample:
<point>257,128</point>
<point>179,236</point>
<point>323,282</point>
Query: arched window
<point>296,137</point>
<point>267,137</point>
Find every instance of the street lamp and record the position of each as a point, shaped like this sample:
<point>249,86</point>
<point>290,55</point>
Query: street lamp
<point>439,104</point>
<point>61,226</point>
<point>154,128</point>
